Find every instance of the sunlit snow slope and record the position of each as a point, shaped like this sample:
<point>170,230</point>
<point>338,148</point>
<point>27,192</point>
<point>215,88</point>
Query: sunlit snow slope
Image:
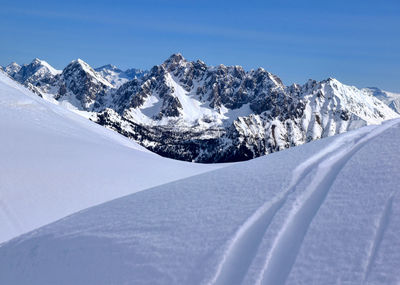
<point>327,212</point>
<point>54,162</point>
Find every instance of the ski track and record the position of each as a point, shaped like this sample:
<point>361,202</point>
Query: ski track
<point>244,241</point>
<point>242,248</point>
<point>378,236</point>
<point>288,241</point>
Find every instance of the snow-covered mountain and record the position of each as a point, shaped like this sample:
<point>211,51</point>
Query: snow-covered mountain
<point>194,112</point>
<point>191,111</point>
<point>82,86</point>
<point>327,212</point>
<point>12,68</point>
<point>39,76</point>
<point>116,76</point>
<point>78,84</point>
<point>389,98</point>
<point>54,162</point>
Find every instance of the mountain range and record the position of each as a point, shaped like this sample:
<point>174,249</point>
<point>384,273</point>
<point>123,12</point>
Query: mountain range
<point>190,111</point>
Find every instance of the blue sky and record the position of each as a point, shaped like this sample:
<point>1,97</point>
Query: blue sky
<point>357,42</point>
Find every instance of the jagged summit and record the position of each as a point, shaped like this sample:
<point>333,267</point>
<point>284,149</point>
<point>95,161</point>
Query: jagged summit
<point>36,61</point>
<point>41,63</point>
<point>176,57</point>
<point>82,65</point>
<point>12,69</point>
<point>39,76</point>
<point>80,61</point>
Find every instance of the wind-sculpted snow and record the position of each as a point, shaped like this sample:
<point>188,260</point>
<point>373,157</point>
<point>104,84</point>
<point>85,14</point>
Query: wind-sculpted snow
<point>54,162</point>
<point>327,212</point>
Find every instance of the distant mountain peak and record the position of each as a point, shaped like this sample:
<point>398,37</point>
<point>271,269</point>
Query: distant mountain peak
<point>39,63</point>
<point>79,61</point>
<point>86,68</point>
<point>13,64</point>
<point>177,57</point>
<point>174,60</point>
<point>12,68</point>
<point>36,61</point>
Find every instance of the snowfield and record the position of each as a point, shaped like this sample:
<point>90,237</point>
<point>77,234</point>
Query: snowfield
<point>327,212</point>
<point>55,162</point>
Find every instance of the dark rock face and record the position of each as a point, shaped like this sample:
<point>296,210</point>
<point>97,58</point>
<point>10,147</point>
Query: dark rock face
<point>78,79</point>
<point>194,112</point>
<point>38,76</point>
<point>185,145</point>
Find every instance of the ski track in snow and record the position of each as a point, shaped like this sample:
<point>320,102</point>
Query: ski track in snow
<point>242,248</point>
<point>378,236</point>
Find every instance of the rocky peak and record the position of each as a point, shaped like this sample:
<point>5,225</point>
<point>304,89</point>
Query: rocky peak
<point>81,81</point>
<point>175,58</point>
<point>79,68</point>
<point>12,69</point>
<point>37,73</point>
<point>175,63</point>
<point>77,64</point>
<point>36,61</point>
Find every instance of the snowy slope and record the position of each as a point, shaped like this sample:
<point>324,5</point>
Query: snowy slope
<point>327,212</point>
<point>54,162</point>
<point>116,76</point>
<point>389,98</point>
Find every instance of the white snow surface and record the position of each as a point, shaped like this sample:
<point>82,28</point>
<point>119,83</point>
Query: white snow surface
<point>112,74</point>
<point>327,212</point>
<point>389,98</point>
<point>51,69</point>
<point>55,162</point>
